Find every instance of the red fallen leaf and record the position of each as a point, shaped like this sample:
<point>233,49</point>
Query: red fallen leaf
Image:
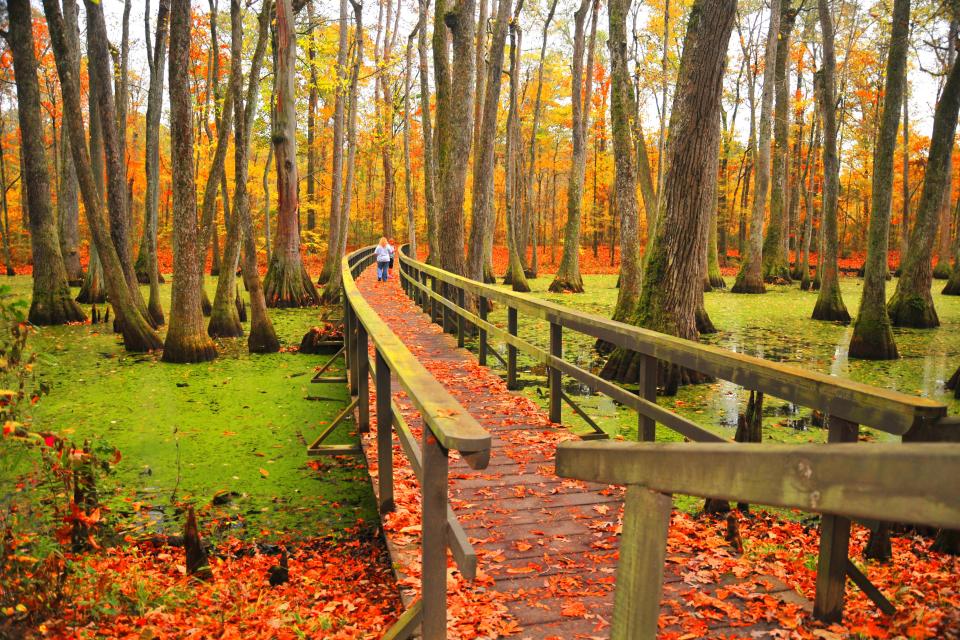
<point>264,473</point>
<point>574,610</point>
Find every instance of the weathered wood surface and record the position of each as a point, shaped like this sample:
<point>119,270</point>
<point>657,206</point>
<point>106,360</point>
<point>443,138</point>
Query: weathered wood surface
<point>547,544</point>
<point>881,409</point>
<point>914,483</point>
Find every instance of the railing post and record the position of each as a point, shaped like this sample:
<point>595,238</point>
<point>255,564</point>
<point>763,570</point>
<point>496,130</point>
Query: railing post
<point>482,308</point>
<point>553,374</point>
<point>434,538</point>
<point>384,436</point>
<point>424,297</point>
<point>433,301</point>
<point>461,321</point>
<point>347,353</point>
<point>511,350</point>
<point>647,388</point>
<point>639,578</point>
<point>351,342</point>
<point>834,543</point>
<point>363,379</point>
<point>447,316</point>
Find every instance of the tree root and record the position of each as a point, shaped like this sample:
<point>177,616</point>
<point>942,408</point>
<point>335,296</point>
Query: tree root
<point>186,349</point>
<point>915,311</point>
<point>53,308</point>
<point>567,284</point>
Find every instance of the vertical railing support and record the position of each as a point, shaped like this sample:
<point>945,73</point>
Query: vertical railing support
<point>349,334</point>
<point>647,389</point>
<point>461,321</point>
<point>643,549</point>
<point>511,350</point>
<point>424,298</point>
<point>433,301</point>
<point>553,374</point>
<point>363,379</point>
<point>384,436</point>
<point>482,308</point>
<point>834,543</point>
<point>434,538</point>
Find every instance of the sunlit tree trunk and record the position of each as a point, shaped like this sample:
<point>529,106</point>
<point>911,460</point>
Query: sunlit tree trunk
<point>287,283</point>
<point>515,272</point>
<point>311,120</point>
<point>912,304</point>
<point>407,178</point>
<point>484,156</point>
<point>568,276</point>
<point>186,339</point>
<point>429,168</point>
<point>331,292</point>
<point>750,277</point>
<point>68,213</point>
<point>622,108</point>
<point>51,302</point>
<point>4,208</point>
<point>872,335</point>
<point>829,301</point>
<point>138,335</point>
<point>776,264</point>
<point>905,175</point>
<point>942,270</point>
<point>454,22</point>
<point>672,288</point>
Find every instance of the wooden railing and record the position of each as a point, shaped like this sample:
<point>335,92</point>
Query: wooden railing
<point>447,426</point>
<point>450,300</point>
<point>910,483</point>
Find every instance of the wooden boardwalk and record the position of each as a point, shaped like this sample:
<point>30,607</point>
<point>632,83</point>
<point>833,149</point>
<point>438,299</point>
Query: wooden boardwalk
<point>547,547</point>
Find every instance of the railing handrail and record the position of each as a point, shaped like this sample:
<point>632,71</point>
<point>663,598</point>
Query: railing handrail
<point>452,425</point>
<point>893,482</point>
<point>903,482</point>
<point>886,410</point>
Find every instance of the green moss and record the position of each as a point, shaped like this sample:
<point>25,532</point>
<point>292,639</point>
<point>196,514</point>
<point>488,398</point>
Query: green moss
<point>206,428</point>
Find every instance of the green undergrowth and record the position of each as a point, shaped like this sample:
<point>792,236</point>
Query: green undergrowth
<point>235,428</point>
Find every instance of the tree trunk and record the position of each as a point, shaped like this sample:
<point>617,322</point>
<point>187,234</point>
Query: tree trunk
<point>287,283</point>
<point>942,270</point>
<point>829,301</point>
<point>750,277</point>
<point>332,260</point>
<point>68,214</point>
<point>905,169</point>
<point>515,271</point>
<point>484,155</point>
<point>672,288</point>
<point>311,121</point>
<point>385,126</point>
<point>138,335</point>
<point>912,304</point>
<point>872,335</point>
<point>331,292</point>
<point>454,21</point>
<point>622,109</point>
<point>7,258</point>
<point>776,263</point>
<point>429,177</point>
<point>407,178</point>
<point>51,303</point>
<point>568,276</point>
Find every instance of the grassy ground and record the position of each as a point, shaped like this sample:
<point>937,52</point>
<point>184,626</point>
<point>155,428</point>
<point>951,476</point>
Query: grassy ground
<point>189,432</point>
<point>775,326</point>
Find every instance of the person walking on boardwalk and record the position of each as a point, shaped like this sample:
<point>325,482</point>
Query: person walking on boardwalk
<point>384,253</point>
<point>391,244</point>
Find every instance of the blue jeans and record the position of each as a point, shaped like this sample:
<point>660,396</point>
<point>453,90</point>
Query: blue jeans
<point>382,272</point>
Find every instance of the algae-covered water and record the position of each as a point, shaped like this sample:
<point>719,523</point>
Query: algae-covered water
<point>235,428</point>
<point>775,326</point>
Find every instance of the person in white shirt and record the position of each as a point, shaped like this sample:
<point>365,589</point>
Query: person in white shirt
<point>384,253</point>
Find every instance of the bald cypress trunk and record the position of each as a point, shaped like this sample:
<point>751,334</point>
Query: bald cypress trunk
<point>186,340</point>
<point>484,156</point>
<point>138,335</point>
<point>287,283</point>
<point>672,290</point>
<point>622,108</point>
<point>750,277</point>
<point>515,271</point>
<point>776,266</point>
<point>829,301</point>
<point>51,302</point>
<point>68,214</point>
<point>568,274</point>
<point>912,304</point>
<point>429,168</point>
<point>872,335</point>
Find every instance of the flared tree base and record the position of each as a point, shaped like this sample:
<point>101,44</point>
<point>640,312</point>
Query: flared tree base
<point>55,309</point>
<point>262,340</point>
<point>830,309</point>
<point>942,270</point>
<point>623,366</point>
<point>716,281</point>
<point>91,295</point>
<point>778,273</point>
<point>225,323</point>
<point>567,284</point>
<point>878,546</point>
<point>873,340</point>
<point>205,304</point>
<point>139,336</point>
<point>952,288</point>
<point>287,285</point>
<point>704,324</point>
<point>748,283</point>
<point>916,311</point>
<point>156,312</point>
<point>188,349</point>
